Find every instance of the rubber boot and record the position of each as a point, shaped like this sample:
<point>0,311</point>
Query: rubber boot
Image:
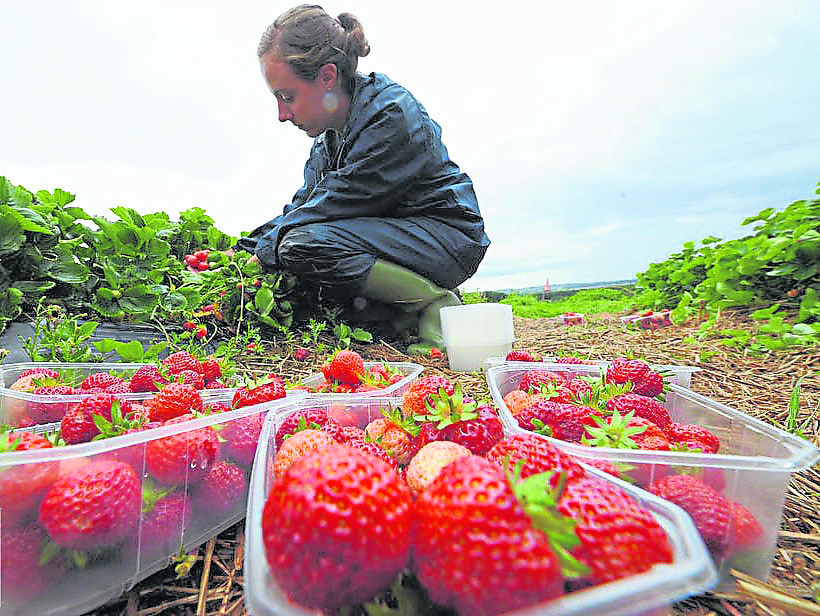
<point>414,294</point>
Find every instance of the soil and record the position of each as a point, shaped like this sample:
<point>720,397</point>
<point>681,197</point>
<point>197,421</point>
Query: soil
<point>760,386</point>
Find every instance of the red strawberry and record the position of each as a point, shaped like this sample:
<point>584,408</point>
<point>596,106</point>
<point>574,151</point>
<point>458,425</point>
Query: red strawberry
<point>146,378</point>
<point>54,408</point>
<point>301,354</point>
<point>174,400</point>
<point>352,433</point>
<point>571,359</point>
<point>470,524</point>
<point>645,407</point>
<point>420,390</point>
<point>190,377</point>
<point>211,369</point>
<point>78,424</point>
<point>373,449</point>
<point>22,486</point>
<point>645,381</point>
<point>182,458</point>
<point>339,516</point>
<point>537,454</point>
<point>222,491</point>
<point>249,395</point>
<point>179,361</point>
<point>40,373</point>
<point>100,380</point>
<point>25,564</point>
<point>315,418</point>
<point>96,506</point>
<point>215,384</point>
<point>521,355</point>
<point>346,367</point>
<point>478,434</point>
<point>692,437</point>
<point>240,438</point>
<point>298,446</point>
<point>165,516</point>
<point>533,380</point>
<point>618,537</point>
<point>710,510</point>
<point>748,531</point>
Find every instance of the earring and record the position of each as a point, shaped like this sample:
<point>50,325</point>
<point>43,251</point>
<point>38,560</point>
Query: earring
<point>330,101</point>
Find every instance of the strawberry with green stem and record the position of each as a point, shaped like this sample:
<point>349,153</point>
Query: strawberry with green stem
<point>22,486</point>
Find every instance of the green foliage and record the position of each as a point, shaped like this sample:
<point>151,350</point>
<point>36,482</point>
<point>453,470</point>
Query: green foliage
<point>777,270</point>
<point>585,301</point>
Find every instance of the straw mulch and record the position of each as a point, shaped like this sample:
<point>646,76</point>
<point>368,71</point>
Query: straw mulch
<point>757,385</point>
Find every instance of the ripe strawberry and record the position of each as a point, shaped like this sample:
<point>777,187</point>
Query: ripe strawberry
<point>390,436</point>
<point>517,400</point>
<point>299,445</point>
<point>533,380</point>
<point>215,384</point>
<point>52,409</point>
<point>315,419</point>
<point>266,391</point>
<point>146,378</point>
<point>22,485</point>
<point>428,462</point>
<point>710,510</point>
<point>211,370</point>
<point>692,437</point>
<point>748,531</point>
<point>478,434</point>
<point>626,432</point>
<point>470,524</point>
<point>618,537</point>
<point>96,506</point>
<point>521,355</point>
<point>165,516</point>
<point>301,354</point>
<point>571,359</point>
<point>645,381</point>
<point>174,400</point>
<point>182,458</point>
<point>346,367</point>
<point>537,454</point>
<point>414,398</point>
<point>240,438</point>
<point>352,433</point>
<point>190,377</point>
<point>40,373</point>
<point>223,491</point>
<point>179,361</point>
<point>339,516</point>
<point>570,422</point>
<point>28,568</point>
<point>100,380</point>
<point>375,450</point>
<point>78,424</point>
<point>645,407</point>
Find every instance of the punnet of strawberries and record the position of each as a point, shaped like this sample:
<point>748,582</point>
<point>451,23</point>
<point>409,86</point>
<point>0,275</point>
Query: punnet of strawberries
<point>345,372</point>
<point>432,505</point>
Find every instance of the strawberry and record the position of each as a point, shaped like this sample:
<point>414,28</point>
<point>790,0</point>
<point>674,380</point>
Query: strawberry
<point>618,537</point>
<point>215,384</point>
<point>53,409</point>
<point>40,373</point>
<point>191,377</point>
<point>428,462</point>
<point>389,434</point>
<point>533,380</point>
<point>346,367</point>
<point>626,432</point>
<point>146,378</point>
<point>478,434</point>
<point>120,387</point>
<point>22,486</point>
<point>315,418</point>
<point>517,400</point>
<point>222,492</point>
<point>211,370</point>
<point>259,393</point>
<point>748,531</point>
<point>28,568</point>
<point>166,514</point>
<point>470,523</point>
<point>96,506</point>
<point>336,528</point>
<point>645,407</point>
<point>375,450</point>
<point>537,454</point>
<point>692,437</point>
<point>100,380</point>
<point>645,381</point>
<point>352,433</point>
<point>299,445</point>
<point>179,361</point>
<point>521,355</point>
<point>301,354</point>
<point>182,458</point>
<point>710,510</point>
<point>414,398</point>
<point>174,400</point>
<point>572,359</point>
<point>78,425</point>
<point>240,438</point>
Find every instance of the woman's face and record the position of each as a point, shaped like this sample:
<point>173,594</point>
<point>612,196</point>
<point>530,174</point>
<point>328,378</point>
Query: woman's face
<point>299,101</point>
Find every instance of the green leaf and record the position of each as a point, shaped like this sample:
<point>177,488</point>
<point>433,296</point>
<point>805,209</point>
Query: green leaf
<point>12,237</point>
<point>174,302</point>
<point>264,301</point>
<point>68,272</point>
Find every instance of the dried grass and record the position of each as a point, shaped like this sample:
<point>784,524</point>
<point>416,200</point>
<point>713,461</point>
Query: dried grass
<point>757,385</point>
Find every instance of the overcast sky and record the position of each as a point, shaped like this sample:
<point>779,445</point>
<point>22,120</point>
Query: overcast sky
<point>600,135</point>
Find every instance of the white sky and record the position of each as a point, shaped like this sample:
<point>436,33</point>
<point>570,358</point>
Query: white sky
<point>600,135</point>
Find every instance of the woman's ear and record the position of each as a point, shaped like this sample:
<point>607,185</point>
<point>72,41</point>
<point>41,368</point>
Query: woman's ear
<point>328,74</point>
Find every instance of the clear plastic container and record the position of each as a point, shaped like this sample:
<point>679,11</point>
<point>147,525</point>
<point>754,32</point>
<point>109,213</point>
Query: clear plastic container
<point>677,375</point>
<point>474,332</point>
<point>650,322</point>
<point>410,370</point>
<point>753,466</point>
<point>16,405</point>
<point>72,576</point>
<point>691,572</point>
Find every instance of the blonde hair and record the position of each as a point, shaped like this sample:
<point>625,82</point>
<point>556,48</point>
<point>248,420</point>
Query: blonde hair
<point>307,38</point>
